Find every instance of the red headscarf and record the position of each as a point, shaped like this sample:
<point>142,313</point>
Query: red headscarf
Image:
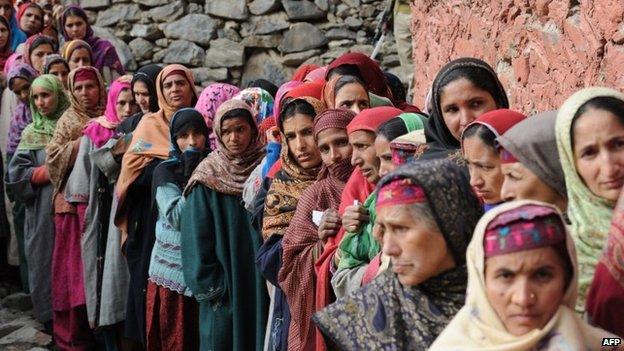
<point>22,9</point>
<point>497,121</point>
<point>369,70</point>
<point>371,118</point>
<point>318,75</point>
<point>303,71</point>
<point>311,89</point>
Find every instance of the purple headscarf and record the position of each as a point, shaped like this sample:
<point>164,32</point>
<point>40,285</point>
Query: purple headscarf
<point>104,53</point>
<point>21,116</point>
<point>209,101</point>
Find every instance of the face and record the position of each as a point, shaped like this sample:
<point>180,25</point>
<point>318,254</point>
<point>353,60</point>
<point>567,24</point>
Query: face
<point>38,55</point>
<point>352,97</point>
<point>21,88</point>
<point>191,138</point>
<point>299,135</point>
<point>60,70</point>
<point>417,251</point>
<point>384,154</point>
<point>142,96</point>
<point>125,105</point>
<point>525,288</point>
<point>520,183</point>
<point>32,20</point>
<point>79,58</point>
<point>48,16</point>
<point>75,27</point>
<point>364,155</point>
<point>87,93</point>
<point>177,91</point>
<point>461,102</point>
<point>6,9</point>
<point>333,144</point>
<point>483,162</point>
<point>4,35</point>
<point>236,134</point>
<point>44,100</point>
<point>599,152</point>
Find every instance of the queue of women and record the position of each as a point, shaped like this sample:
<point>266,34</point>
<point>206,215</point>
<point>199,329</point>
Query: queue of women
<point>326,213</point>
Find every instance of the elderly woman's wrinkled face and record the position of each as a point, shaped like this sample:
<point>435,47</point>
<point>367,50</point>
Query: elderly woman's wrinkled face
<point>461,102</point>
<point>522,184</point>
<point>177,91</point>
<point>599,152</point>
<point>525,288</point>
<point>414,243</point>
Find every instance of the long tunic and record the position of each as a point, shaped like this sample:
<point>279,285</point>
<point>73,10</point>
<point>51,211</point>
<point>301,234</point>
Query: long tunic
<point>38,226</point>
<point>218,250</point>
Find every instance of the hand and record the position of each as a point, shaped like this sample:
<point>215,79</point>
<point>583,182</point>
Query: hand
<point>273,135</point>
<point>354,216</point>
<point>330,224</point>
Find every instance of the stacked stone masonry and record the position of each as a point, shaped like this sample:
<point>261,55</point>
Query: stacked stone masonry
<point>238,41</point>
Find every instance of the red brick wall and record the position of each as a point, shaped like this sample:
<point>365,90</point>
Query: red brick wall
<point>543,50</point>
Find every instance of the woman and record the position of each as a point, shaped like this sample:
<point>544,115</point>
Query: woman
<point>19,80</point>
<point>219,242</point>
<point>7,11</point>
<point>36,49</point>
<point>301,163</point>
<point>589,126</point>
<point>463,90</point>
<point>362,67</point>
<point>522,292</point>
<point>29,181</point>
<point>88,99</point>
<point>172,313</point>
<point>209,101</point>
<point>530,162</point>
<point>346,92</point>
<point>426,213</point>
<point>359,247</point>
<point>56,65</point>
<point>5,42</point>
<point>304,239</point>
<point>480,151</point>
<point>135,216</point>
<point>74,24</point>
<point>30,18</point>
<point>144,91</point>
<point>77,53</point>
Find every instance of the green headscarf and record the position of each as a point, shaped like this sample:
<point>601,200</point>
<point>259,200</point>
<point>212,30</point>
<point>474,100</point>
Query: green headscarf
<point>590,214</point>
<point>361,247</point>
<point>37,134</point>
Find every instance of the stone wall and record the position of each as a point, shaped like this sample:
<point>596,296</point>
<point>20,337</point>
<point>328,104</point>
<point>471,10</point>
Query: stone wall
<point>543,50</point>
<point>238,40</point>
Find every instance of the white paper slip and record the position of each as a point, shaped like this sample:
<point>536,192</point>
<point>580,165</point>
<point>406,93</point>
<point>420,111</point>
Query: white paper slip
<point>316,217</point>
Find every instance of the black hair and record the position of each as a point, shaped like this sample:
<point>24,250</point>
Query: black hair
<point>605,103</point>
<point>345,70</point>
<point>346,80</point>
<point>482,132</point>
<point>294,107</point>
<point>396,86</point>
<point>476,76</point>
<point>392,129</point>
<point>241,113</point>
<point>264,84</point>
<point>41,40</point>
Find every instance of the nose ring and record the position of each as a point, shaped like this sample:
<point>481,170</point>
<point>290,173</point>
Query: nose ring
<point>532,296</point>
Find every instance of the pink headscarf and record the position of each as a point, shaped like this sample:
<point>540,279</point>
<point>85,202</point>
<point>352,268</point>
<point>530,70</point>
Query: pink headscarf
<point>101,129</point>
<point>281,92</point>
<point>209,101</point>
<point>317,75</point>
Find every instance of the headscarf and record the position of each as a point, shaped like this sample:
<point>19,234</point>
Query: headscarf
<point>317,75</point>
<point>31,44</point>
<point>150,140</point>
<point>532,141</point>
<point>209,101</point>
<point>311,89</point>
<point>39,133</point>
<point>6,51</point>
<point>101,129</point>
<point>22,9</point>
<point>497,121</point>
<point>104,53</point>
<point>386,315</point>
<point>438,135</point>
<point>288,184</point>
<point>17,35</point>
<point>281,93</point>
<point>301,244</point>
<point>265,85</point>
<point>73,45</point>
<point>369,70</point>
<point>408,147</point>
<point>21,116</point>
<point>590,214</point>
<point>222,171</point>
<point>147,75</point>
<point>329,92</point>
<point>70,126</point>
<point>260,101</point>
<point>302,72</point>
<point>478,327</point>
<point>371,118</point>
<point>52,60</point>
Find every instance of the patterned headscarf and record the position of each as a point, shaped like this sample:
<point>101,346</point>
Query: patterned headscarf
<point>21,116</point>
<point>39,133</point>
<point>101,129</point>
<point>477,325</point>
<point>260,101</point>
<point>73,45</point>
<point>209,101</point>
<point>590,214</point>
<point>222,170</point>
